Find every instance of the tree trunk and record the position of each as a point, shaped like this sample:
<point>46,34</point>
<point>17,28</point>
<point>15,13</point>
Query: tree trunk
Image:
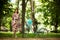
<point>24,3</point>
<point>10,26</point>
<point>0,22</point>
<point>55,28</point>
<point>23,16</point>
<point>32,12</point>
<point>56,22</point>
<point>57,8</point>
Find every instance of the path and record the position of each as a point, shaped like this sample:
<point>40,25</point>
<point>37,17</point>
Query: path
<point>29,38</point>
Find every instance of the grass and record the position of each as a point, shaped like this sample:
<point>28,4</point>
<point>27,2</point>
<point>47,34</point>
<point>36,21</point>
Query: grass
<point>30,35</point>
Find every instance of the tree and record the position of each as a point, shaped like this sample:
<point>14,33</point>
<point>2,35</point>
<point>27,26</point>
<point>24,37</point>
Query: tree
<point>57,13</point>
<point>32,3</point>
<point>23,15</point>
<point>51,11</point>
<point>4,9</point>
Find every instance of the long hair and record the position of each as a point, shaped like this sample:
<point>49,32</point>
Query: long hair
<point>16,10</point>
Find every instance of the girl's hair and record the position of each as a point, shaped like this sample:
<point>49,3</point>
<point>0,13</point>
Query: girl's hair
<point>15,10</point>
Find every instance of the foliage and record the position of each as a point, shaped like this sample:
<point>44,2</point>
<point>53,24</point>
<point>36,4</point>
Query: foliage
<point>4,9</point>
<point>50,10</point>
<point>46,12</point>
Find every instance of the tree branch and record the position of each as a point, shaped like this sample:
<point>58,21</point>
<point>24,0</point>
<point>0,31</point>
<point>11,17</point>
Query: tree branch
<point>26,2</point>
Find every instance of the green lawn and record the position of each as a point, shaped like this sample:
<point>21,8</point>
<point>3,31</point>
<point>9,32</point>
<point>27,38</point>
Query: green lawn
<point>30,35</point>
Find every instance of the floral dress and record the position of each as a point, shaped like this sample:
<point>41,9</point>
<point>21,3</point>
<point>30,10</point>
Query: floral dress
<point>15,22</point>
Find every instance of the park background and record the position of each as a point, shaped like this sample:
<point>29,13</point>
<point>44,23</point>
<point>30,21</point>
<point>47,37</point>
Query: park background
<point>46,12</point>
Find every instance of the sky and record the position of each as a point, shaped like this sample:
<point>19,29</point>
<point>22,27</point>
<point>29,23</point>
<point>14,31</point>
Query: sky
<point>13,1</point>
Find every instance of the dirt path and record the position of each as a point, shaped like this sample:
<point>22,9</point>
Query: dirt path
<point>29,38</point>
